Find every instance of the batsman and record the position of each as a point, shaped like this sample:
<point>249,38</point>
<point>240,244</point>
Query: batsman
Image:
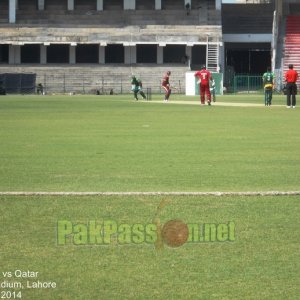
<point>136,87</point>
<point>204,78</point>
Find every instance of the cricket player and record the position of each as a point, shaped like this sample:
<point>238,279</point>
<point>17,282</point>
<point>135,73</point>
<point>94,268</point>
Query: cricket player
<point>136,87</point>
<point>213,90</point>
<point>291,76</point>
<point>268,81</point>
<point>166,85</point>
<point>204,77</point>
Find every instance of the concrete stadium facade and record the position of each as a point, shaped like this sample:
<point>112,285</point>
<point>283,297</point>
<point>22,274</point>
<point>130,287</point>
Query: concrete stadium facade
<point>132,36</point>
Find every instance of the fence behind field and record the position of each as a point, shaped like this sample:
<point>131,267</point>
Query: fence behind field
<point>85,84</point>
<point>247,84</point>
<point>18,83</point>
<point>254,83</point>
<point>90,78</point>
<point>117,80</point>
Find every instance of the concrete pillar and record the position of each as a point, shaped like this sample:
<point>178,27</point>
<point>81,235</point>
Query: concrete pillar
<point>43,56</point>
<point>221,59</point>
<point>17,54</point>
<point>11,55</point>
<point>158,4</point>
<point>278,7</point>
<point>188,53</point>
<point>70,4</point>
<point>160,54</point>
<point>129,4</point>
<point>99,5</point>
<point>127,59</point>
<point>130,54</point>
<point>102,53</point>
<point>14,56</point>
<point>12,11</point>
<point>133,54</point>
<point>41,4</point>
<point>72,54</point>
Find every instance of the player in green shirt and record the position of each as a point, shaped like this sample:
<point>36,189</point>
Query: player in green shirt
<point>268,81</point>
<point>136,87</point>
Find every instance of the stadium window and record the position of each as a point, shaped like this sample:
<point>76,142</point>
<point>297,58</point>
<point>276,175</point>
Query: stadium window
<point>171,4</point>
<point>249,61</point>
<point>56,4</point>
<point>174,53</point>
<point>113,4</point>
<point>114,54</point>
<point>146,53</point>
<point>4,54</point>
<point>58,54</point>
<point>196,4</point>
<point>85,5</point>
<point>142,4</point>
<point>199,55</point>
<point>30,54</point>
<point>87,53</point>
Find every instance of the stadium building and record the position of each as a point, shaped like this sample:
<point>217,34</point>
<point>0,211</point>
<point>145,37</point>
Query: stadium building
<point>90,45</point>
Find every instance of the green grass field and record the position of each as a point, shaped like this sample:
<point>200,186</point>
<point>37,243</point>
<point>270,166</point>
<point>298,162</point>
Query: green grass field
<point>114,144</point>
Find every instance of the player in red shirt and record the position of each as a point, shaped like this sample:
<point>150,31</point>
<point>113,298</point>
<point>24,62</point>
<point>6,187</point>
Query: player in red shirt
<point>204,79</point>
<point>291,77</point>
<point>166,85</point>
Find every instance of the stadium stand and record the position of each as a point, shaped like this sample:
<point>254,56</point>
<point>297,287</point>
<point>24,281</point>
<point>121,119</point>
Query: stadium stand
<point>53,38</point>
<point>103,40</point>
<point>251,18</point>
<point>292,42</point>
<point>76,79</point>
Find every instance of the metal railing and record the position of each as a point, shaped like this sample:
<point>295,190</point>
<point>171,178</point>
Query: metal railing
<point>85,84</point>
<point>247,84</point>
<point>255,1</point>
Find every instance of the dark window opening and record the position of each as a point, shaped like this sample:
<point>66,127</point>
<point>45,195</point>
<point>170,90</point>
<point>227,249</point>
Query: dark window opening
<point>145,4</point>
<point>87,53</point>
<point>248,61</point>
<point>4,49</point>
<point>56,5</point>
<point>146,53</point>
<point>114,54</point>
<point>85,5</point>
<point>174,53</point>
<point>199,55</point>
<point>58,54</point>
<point>112,4</point>
<point>172,4</point>
<point>30,54</point>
